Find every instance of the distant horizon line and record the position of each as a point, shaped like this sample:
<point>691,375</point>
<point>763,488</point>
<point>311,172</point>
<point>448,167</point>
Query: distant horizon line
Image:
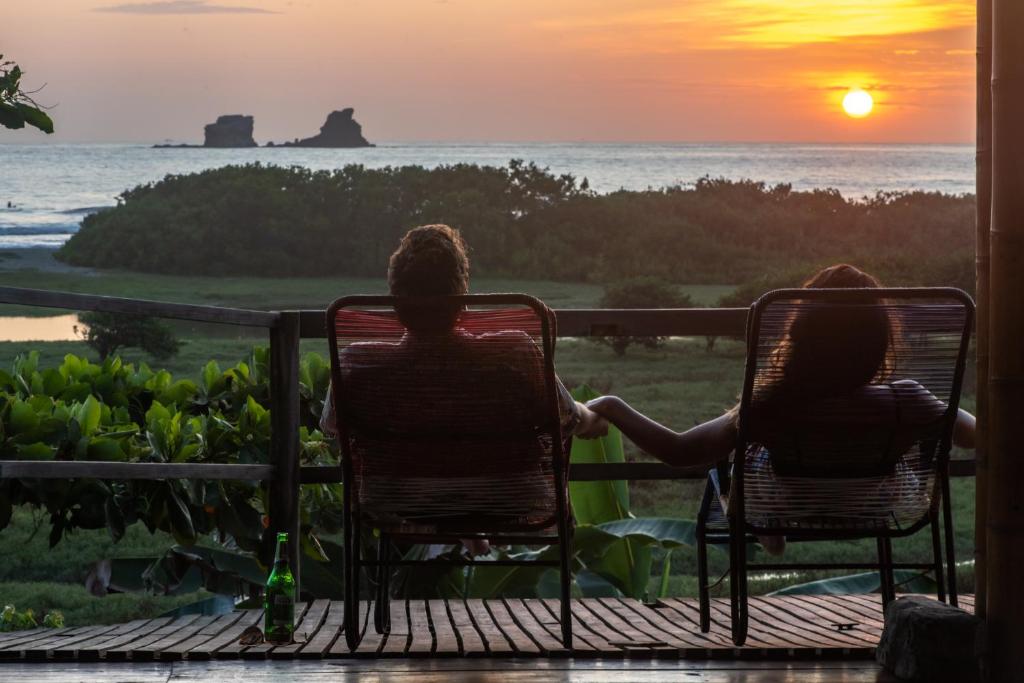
<point>445,143</point>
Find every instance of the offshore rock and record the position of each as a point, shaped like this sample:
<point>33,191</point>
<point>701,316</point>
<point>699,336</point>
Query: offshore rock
<point>340,130</point>
<point>926,640</point>
<point>231,130</point>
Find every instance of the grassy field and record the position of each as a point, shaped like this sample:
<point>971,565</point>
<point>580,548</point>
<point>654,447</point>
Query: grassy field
<point>680,385</point>
<point>35,268</point>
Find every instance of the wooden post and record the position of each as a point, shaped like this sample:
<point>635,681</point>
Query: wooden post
<point>1005,541</point>
<point>284,440</point>
<point>983,223</point>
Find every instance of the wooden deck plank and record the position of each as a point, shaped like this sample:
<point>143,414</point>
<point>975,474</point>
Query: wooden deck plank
<point>806,622</point>
<point>41,649</point>
<point>782,626</point>
<point>205,634</point>
<point>448,641</point>
<point>497,642</point>
<point>397,640</point>
<point>584,640</point>
<point>632,639</point>
<point>520,640</point>
<point>686,615</point>
<point>262,651</point>
<point>226,645</point>
<point>758,636</point>
<point>632,612</point>
<point>371,641</point>
<point>97,648</point>
<point>14,646</point>
<point>305,629</point>
<point>829,614</point>
<point>606,636</point>
<point>678,626</point>
<point>152,649</point>
<point>422,642</point>
<point>870,611</point>
<point>474,643</point>
<point>548,643</point>
<point>72,651</point>
<point>130,648</point>
<point>330,631</point>
<point>764,621</point>
<point>580,627</point>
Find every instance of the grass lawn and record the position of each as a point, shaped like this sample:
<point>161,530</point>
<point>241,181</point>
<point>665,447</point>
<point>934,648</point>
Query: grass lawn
<point>37,270</point>
<point>33,575</point>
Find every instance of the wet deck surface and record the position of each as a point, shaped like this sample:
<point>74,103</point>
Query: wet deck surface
<point>803,628</point>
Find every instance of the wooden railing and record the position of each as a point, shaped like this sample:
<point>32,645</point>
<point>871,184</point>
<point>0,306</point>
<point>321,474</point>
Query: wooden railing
<point>283,473</point>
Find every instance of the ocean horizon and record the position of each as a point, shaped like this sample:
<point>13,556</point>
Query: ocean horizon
<point>52,187</point>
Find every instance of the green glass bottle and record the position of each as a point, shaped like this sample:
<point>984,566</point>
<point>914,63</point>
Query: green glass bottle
<point>279,597</point>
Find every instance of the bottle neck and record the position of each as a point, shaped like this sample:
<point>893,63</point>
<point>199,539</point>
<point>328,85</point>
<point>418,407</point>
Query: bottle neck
<point>281,555</point>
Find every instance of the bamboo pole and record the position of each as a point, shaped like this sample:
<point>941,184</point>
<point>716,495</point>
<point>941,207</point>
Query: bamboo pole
<point>1005,539</point>
<point>983,223</point>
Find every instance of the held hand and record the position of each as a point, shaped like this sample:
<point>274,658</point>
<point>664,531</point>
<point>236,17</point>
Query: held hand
<point>591,424</point>
<point>604,406</point>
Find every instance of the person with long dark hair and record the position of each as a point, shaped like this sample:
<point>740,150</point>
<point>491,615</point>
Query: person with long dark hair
<point>824,355</point>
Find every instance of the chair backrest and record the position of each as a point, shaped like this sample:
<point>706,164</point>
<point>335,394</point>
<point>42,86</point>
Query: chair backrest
<point>451,429</point>
<point>852,383</point>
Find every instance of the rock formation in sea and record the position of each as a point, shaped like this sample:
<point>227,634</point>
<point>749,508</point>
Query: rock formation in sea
<point>231,130</point>
<point>340,130</point>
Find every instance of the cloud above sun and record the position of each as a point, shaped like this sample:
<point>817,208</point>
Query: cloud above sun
<point>181,7</point>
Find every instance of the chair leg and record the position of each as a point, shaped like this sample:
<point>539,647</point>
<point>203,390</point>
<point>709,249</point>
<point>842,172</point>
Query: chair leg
<point>703,591</point>
<point>565,581</point>
<point>885,570</point>
<point>939,567</point>
<point>382,602</point>
<point>947,515</point>
<point>352,549</point>
<point>738,583</point>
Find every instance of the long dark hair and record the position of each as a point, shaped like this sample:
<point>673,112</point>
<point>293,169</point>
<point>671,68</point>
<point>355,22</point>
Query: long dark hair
<point>830,351</point>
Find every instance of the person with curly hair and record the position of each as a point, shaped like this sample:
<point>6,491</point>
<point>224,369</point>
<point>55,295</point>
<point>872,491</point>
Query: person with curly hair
<point>432,260</point>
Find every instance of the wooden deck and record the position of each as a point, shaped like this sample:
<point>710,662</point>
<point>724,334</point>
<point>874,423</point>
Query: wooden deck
<point>840,627</point>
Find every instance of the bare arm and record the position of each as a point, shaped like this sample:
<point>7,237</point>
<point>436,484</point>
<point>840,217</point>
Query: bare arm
<point>705,444</point>
<point>963,429</point>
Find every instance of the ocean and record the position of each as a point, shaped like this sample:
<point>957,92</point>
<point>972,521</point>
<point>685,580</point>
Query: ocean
<point>52,187</point>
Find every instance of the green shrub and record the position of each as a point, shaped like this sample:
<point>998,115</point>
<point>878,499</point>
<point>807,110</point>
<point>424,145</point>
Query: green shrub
<point>521,221</point>
<point>641,292</point>
<point>108,332</point>
<point>115,412</point>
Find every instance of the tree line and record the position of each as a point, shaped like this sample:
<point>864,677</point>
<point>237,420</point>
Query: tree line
<point>521,220</point>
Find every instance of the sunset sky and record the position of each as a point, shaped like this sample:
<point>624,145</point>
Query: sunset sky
<point>501,70</point>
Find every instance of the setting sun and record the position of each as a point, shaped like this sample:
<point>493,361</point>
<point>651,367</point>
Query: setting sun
<point>857,103</point>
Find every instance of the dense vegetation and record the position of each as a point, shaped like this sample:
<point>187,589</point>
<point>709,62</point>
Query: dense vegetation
<point>521,221</point>
<point>117,412</point>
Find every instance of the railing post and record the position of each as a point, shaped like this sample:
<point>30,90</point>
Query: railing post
<point>284,440</point>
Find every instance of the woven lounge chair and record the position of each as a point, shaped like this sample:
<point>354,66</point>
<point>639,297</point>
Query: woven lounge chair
<point>447,435</point>
<point>865,465</point>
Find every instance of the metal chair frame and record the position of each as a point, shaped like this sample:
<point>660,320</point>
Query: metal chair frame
<point>354,523</point>
<point>741,531</point>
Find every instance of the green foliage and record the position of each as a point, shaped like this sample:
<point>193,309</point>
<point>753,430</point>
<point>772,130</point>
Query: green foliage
<point>79,608</point>
<point>113,411</point>
<point>641,292</point>
<point>108,332</point>
<point>907,581</point>
<point>13,620</point>
<point>521,221</point>
<point>16,107</point>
